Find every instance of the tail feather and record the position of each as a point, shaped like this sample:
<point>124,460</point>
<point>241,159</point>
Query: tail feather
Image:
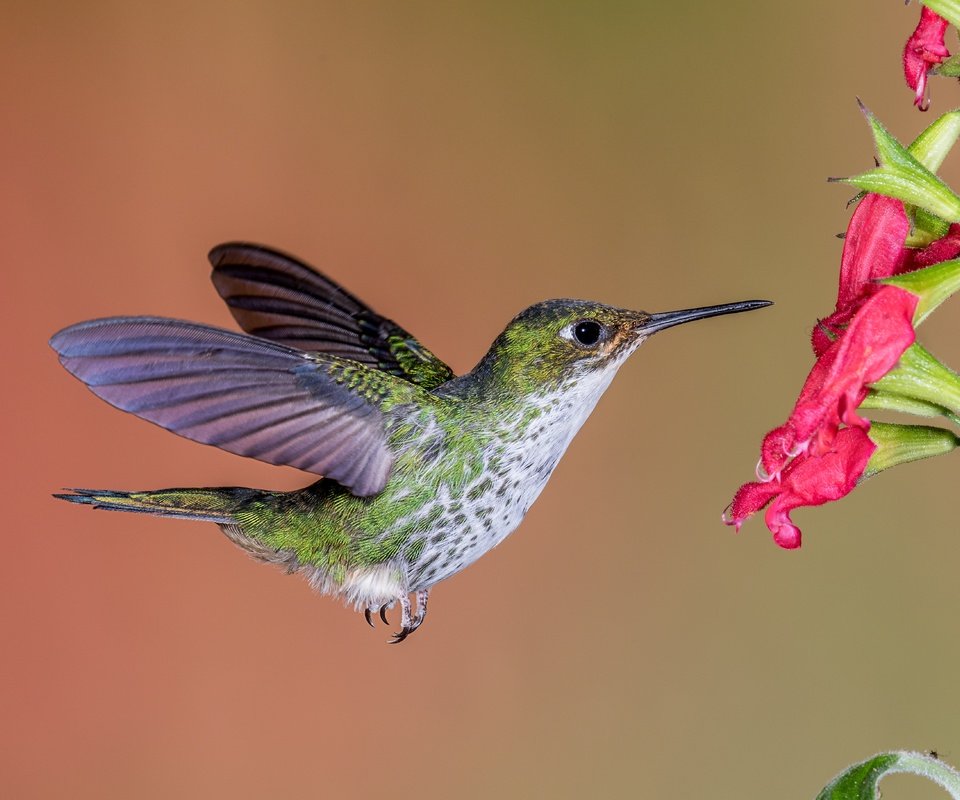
<point>206,505</point>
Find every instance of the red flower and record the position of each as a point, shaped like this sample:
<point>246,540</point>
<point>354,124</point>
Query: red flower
<point>822,450</point>
<point>811,459</point>
<point>808,480</point>
<point>864,352</point>
<point>924,49</point>
<point>873,248</point>
<point>945,248</point>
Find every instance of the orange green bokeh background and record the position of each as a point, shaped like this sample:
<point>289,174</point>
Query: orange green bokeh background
<point>451,164</point>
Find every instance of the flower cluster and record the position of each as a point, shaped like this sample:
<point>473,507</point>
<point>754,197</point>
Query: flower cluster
<point>898,263</point>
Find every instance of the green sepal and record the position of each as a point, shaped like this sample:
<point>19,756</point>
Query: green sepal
<point>925,228</point>
<point>932,285</point>
<point>948,9</point>
<point>910,186</point>
<point>948,69</point>
<point>877,400</point>
<point>933,145</point>
<point>921,376</point>
<point>860,781</point>
<point>930,148</point>
<point>901,444</point>
<point>902,176</point>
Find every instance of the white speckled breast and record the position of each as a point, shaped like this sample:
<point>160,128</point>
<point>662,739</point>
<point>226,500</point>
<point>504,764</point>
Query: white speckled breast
<point>512,478</point>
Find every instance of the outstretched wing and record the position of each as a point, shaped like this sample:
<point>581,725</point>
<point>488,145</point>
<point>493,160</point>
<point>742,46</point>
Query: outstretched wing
<point>277,297</point>
<point>242,394</point>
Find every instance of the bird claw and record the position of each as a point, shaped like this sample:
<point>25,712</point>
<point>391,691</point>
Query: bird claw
<point>382,611</point>
<point>409,621</point>
<point>400,635</point>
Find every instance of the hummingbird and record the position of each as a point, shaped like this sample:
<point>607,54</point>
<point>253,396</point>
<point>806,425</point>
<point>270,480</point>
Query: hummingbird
<point>421,471</point>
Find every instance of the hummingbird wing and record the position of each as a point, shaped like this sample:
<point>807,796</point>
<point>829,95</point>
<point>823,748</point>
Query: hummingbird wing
<point>277,297</point>
<point>246,395</point>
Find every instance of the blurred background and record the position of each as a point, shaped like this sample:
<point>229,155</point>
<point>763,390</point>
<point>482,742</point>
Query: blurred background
<point>451,164</point>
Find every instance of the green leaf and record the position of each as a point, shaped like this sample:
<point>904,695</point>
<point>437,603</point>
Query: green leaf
<point>901,444</point>
<point>948,9</point>
<point>932,285</point>
<point>860,781</point>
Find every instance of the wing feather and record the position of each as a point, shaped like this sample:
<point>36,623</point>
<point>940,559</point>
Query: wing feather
<point>277,297</point>
<point>246,395</point>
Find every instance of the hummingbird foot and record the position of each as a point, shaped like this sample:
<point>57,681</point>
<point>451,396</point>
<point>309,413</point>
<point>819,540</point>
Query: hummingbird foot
<point>422,597</point>
<point>409,621</point>
<point>406,620</point>
<point>381,610</point>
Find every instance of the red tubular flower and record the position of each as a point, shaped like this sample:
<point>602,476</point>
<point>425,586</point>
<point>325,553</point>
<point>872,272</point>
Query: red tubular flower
<point>863,353</point>
<point>822,450</point>
<point>873,248</point>
<point>924,49</point>
<point>810,459</point>
<point>808,480</point>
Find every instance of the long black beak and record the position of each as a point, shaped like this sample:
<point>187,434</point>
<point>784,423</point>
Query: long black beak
<point>657,322</point>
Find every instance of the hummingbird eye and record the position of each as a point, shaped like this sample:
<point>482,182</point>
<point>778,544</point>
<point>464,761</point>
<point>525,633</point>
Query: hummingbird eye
<point>587,332</point>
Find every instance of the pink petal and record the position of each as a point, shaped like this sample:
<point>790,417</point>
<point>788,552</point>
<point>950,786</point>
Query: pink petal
<point>924,49</point>
<point>749,499</point>
<point>785,534</point>
<point>872,248</point>
<point>869,348</point>
<point>946,248</point>
<point>809,480</point>
<point>828,329</point>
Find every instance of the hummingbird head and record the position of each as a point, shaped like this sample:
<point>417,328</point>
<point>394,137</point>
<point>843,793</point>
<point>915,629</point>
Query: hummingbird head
<point>556,342</point>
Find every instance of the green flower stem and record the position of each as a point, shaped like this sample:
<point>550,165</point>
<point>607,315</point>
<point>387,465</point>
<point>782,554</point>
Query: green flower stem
<point>921,376</point>
<point>860,781</point>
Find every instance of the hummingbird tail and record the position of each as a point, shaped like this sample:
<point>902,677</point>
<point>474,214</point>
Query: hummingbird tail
<point>206,505</point>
